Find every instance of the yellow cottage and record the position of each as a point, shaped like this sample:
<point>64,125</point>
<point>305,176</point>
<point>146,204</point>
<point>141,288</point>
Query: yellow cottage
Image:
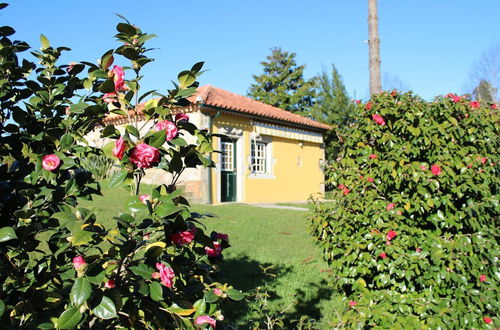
<point>269,155</point>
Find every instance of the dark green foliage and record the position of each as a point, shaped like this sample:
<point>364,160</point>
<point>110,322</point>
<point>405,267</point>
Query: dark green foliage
<point>282,83</point>
<point>413,228</point>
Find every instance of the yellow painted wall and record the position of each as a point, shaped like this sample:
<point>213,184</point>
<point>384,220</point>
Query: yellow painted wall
<point>295,173</point>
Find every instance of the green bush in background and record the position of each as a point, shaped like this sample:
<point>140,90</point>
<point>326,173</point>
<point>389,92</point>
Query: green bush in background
<point>412,234</point>
<point>100,166</point>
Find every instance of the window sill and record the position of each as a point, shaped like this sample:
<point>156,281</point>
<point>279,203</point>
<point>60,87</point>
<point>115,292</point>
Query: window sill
<point>261,176</point>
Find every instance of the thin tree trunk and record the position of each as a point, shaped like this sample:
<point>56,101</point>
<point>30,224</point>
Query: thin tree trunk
<point>374,48</point>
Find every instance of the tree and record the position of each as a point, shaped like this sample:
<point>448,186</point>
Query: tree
<point>332,105</point>
<point>282,84</point>
<point>486,70</point>
<point>374,48</point>
<point>485,92</point>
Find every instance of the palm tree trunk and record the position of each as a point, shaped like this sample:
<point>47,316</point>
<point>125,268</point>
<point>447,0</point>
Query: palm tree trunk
<point>374,48</point>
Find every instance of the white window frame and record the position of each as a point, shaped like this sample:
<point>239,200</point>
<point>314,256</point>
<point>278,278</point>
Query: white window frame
<point>266,159</point>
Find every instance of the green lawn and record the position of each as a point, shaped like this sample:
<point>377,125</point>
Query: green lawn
<point>272,241</point>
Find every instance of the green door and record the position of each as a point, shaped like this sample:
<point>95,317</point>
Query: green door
<point>228,171</point>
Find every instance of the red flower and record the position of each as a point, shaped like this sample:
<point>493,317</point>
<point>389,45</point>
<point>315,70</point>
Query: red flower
<point>358,101</point>
<point>369,179</point>
<point>119,149</point>
<point>435,169</point>
<point>223,237</point>
<point>390,206</point>
<point>484,160</point>
<point>181,117</point>
<point>341,186</point>
<point>79,263</point>
<point>144,156</point>
<point>372,156</point>
<point>423,168</point>
<point>474,104</point>
<point>183,237</point>
<point>455,98</point>
<point>204,319</point>
<point>352,303</point>
<point>482,278</point>
<point>346,191</point>
<point>110,284</point>
<point>109,97</point>
<point>493,106</point>
<point>218,292</point>
<point>215,252</point>
<point>166,274</point>
<point>378,119</point>
<point>118,76</point>
<point>418,250</point>
<point>368,106</point>
<point>144,198</point>
<point>487,320</point>
<point>390,235</point>
<point>50,162</point>
<point>169,127</point>
<point>383,255</point>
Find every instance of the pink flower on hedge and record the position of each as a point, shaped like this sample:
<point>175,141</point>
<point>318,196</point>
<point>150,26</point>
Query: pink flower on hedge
<point>144,156</point>
<point>378,119</point>
<point>50,162</point>
<point>390,235</point>
<point>205,319</point>
<point>352,303</point>
<point>181,117</point>
<point>484,160</point>
<point>372,156</point>
<point>474,104</point>
<point>341,186</point>
<point>423,168</point>
<point>217,292</point>
<point>383,255</point>
<point>144,198</point>
<point>370,179</point>
<point>487,320</point>
<point>482,278</point>
<point>221,236</point>
<point>435,169</point>
<point>390,206</point>
<point>418,250</point>
<point>79,263</point>
<point>118,77</point>
<point>215,252</point>
<point>493,106</point>
<point>110,284</point>
<point>183,237</point>
<point>346,191</point>
<point>368,106</point>
<point>120,147</point>
<point>455,98</point>
<point>169,127</point>
<point>166,274</point>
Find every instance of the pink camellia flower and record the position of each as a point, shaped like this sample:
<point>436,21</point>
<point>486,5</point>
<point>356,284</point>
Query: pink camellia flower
<point>435,169</point>
<point>487,320</point>
<point>378,119</point>
<point>493,106</point>
<point>144,198</point>
<point>390,235</point>
<point>119,149</point>
<point>217,292</point>
<point>484,160</point>
<point>118,77</point>
<point>418,250</point>
<point>370,179</point>
<point>474,104</point>
<point>109,97</point>
<point>205,319</point>
<point>398,212</point>
<point>169,127</point>
<point>166,274</point>
<point>181,117</point>
<point>183,237</point>
<point>390,206</point>
<point>50,162</point>
<point>482,278</point>
<point>341,186</point>
<point>423,168</point>
<point>455,98</point>
<point>372,156</point>
<point>221,236</point>
<point>215,252</point>
<point>383,255</point>
<point>368,106</point>
<point>387,242</point>
<point>79,263</point>
<point>144,156</point>
<point>346,191</point>
<point>110,284</point>
<point>352,303</point>
<point>357,101</point>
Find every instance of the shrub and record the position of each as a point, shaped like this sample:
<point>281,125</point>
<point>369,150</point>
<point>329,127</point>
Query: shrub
<point>412,234</point>
<point>100,166</point>
<point>60,267</point>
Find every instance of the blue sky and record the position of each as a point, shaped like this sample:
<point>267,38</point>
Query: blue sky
<point>430,45</point>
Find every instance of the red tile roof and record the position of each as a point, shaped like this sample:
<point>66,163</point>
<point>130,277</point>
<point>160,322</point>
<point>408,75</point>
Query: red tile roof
<point>216,97</point>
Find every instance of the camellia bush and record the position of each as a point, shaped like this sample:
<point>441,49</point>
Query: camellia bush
<point>61,265</point>
<point>412,233</point>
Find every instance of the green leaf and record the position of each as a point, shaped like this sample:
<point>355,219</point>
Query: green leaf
<point>106,61</point>
<point>66,141</point>
<point>107,86</point>
<point>2,307</point>
<point>78,107</point>
<point>236,295</point>
<point>44,41</point>
<point>7,234</point>
<point>197,67</point>
<point>180,142</point>
<point>69,319</point>
<point>81,237</point>
<point>143,271</point>
<point>87,84</point>
<point>211,297</point>
<point>45,325</point>
<point>106,309</point>
<point>156,291</point>
<point>80,291</point>
<point>126,28</point>
<point>163,210</point>
<point>186,79</point>
<point>157,139</point>
<point>117,178</point>
<point>132,130</point>
<point>200,306</point>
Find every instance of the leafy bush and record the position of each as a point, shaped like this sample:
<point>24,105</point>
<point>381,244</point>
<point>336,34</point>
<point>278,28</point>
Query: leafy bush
<point>100,166</point>
<point>59,266</point>
<point>412,234</point>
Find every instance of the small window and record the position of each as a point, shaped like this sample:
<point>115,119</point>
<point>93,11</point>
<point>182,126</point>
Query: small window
<point>227,156</point>
<point>259,155</point>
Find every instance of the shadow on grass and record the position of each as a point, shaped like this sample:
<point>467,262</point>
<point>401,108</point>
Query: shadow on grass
<point>254,279</point>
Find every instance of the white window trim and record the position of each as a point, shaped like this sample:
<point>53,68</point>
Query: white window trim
<point>268,157</point>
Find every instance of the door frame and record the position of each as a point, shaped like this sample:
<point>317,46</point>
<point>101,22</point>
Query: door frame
<point>239,139</point>
<point>231,194</point>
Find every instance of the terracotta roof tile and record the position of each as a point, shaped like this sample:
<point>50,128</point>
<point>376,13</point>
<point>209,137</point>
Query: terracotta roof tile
<point>220,98</point>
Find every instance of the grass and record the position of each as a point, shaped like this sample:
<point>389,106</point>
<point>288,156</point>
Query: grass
<point>271,252</point>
